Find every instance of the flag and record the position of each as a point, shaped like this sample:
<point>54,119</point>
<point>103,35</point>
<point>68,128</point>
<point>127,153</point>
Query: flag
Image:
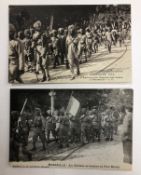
<point>73,106</point>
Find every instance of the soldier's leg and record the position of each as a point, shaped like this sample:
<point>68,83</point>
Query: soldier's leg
<point>47,69</point>
<point>18,74</point>
<point>66,60</point>
<point>56,61</point>
<point>53,131</point>
<point>99,134</point>
<point>71,64</point>
<point>76,61</point>
<point>37,63</point>
<point>82,134</point>
<point>111,132</point>
<point>43,140</point>
<point>85,53</point>
<point>62,57</point>
<point>35,136</point>
<point>67,64</point>
<point>107,133</point>
<point>109,46</point>
<point>42,66</point>
<point>48,134</point>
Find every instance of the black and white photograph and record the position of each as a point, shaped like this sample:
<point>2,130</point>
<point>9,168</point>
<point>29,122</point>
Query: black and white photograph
<point>89,128</point>
<point>69,44</point>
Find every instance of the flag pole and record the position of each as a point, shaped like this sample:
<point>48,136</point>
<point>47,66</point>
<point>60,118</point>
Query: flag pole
<point>23,107</point>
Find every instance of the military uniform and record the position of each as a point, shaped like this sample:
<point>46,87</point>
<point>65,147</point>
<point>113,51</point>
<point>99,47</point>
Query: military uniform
<point>63,132</point>
<point>50,127</point>
<point>28,50</point>
<point>108,40</point>
<point>96,126</point>
<point>95,42</point>
<point>55,46</point>
<point>116,121</point>
<point>43,59</point>
<point>89,42</point>
<point>72,53</point>
<point>81,45</point>
<point>85,128</point>
<point>24,129</point>
<point>75,131</point>
<point>109,126</point>
<point>16,57</point>
<point>38,131</point>
<point>127,137</point>
<point>62,46</point>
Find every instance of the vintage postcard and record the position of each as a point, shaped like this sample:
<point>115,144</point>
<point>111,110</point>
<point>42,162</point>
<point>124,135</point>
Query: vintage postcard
<point>71,128</point>
<point>69,44</point>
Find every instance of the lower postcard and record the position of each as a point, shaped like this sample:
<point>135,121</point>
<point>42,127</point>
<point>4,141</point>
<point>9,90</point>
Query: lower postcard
<point>71,128</point>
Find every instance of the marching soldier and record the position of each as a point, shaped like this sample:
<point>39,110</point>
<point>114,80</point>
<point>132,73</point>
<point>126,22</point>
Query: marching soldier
<point>72,53</point>
<point>96,126</point>
<point>63,132</point>
<point>109,125</point>
<point>55,46</point>
<point>89,41</point>
<point>23,129</point>
<point>108,39</point>
<point>16,57</point>
<point>62,46</point>
<point>28,50</point>
<point>85,129</point>
<point>39,129</point>
<point>41,54</point>
<point>127,136</point>
<point>41,51</point>
<point>95,42</point>
<point>81,45</point>
<point>116,118</point>
<point>43,58</point>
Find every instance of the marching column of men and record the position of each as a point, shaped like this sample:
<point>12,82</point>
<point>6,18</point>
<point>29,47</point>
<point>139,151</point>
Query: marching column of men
<point>60,127</point>
<point>33,49</point>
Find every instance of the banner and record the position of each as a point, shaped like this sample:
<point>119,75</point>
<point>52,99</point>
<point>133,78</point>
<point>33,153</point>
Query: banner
<point>73,106</point>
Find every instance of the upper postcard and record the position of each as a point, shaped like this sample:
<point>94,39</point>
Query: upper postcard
<point>69,44</point>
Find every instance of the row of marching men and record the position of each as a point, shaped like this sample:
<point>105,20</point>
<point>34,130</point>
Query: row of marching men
<point>61,128</point>
<point>33,49</point>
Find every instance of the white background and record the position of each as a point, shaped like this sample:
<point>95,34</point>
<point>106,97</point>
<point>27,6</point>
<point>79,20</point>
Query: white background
<point>5,169</point>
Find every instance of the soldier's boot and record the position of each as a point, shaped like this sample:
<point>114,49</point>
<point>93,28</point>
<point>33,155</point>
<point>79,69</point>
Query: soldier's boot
<point>47,75</point>
<point>44,75</point>
<point>67,64</point>
<point>78,71</point>
<point>86,59</point>
<point>109,48</point>
<point>43,79</point>
<point>72,78</point>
